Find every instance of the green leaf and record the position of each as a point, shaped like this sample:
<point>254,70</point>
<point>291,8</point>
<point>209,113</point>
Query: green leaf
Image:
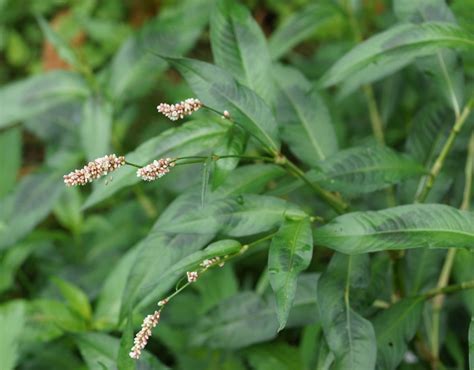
<point>32,200</point>
<point>11,260</point>
<point>233,216</point>
<point>350,337</point>
<point>403,227</point>
<point>423,10</point>
<point>233,143</point>
<point>239,47</point>
<point>290,253</point>
<point>66,53</point>
<point>96,127</point>
<point>24,99</point>
<point>274,356</point>
<point>191,138</point>
<point>124,361</point>
<point>220,91</point>
<point>10,158</point>
<point>134,70</point>
<point>306,122</point>
<point>248,318</point>
<point>361,170</point>
<point>299,26</point>
<point>395,48</point>
<point>76,299</point>
<point>394,328</point>
<point>471,345</point>
<point>100,351</point>
<point>12,320</point>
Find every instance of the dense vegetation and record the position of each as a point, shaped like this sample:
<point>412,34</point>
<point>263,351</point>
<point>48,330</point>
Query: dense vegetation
<point>307,209</point>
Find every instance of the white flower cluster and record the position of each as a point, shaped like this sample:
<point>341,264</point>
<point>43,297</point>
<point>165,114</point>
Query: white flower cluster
<point>192,276</point>
<point>155,170</point>
<point>94,170</point>
<point>179,110</point>
<point>141,339</point>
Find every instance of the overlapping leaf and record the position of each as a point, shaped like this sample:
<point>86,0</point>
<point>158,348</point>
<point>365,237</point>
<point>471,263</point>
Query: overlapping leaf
<point>394,329</point>
<point>220,91</point>
<point>239,47</point>
<point>290,253</point>
<point>393,49</point>
<point>403,227</point>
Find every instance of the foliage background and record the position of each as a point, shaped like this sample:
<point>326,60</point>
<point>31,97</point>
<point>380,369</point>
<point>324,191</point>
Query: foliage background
<point>79,268</point>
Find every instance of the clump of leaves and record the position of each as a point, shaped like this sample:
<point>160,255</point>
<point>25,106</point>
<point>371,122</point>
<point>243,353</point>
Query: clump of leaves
<point>315,209</point>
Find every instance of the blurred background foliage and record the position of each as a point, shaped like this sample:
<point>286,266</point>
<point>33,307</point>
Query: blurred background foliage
<point>65,67</point>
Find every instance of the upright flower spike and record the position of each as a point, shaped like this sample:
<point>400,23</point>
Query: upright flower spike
<point>141,339</point>
<point>94,170</point>
<point>179,110</point>
<point>155,170</point>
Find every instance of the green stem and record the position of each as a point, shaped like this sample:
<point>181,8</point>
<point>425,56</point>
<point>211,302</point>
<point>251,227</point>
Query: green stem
<point>439,162</point>
<point>335,202</point>
<point>133,164</point>
<point>449,260</point>
<point>449,289</point>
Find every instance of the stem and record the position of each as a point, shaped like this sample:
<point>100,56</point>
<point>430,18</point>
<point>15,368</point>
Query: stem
<point>335,202</point>
<point>439,162</point>
<point>133,164</point>
<point>375,117</point>
<point>448,263</point>
<point>449,289</point>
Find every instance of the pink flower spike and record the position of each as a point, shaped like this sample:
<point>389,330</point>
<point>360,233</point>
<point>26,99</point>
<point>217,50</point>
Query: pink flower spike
<point>94,170</point>
<point>141,339</point>
<point>155,170</point>
<point>179,110</point>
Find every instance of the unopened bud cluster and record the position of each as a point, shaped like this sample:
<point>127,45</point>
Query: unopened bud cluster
<point>179,110</point>
<point>94,170</point>
<point>192,276</point>
<point>141,339</point>
<point>210,262</point>
<point>155,170</point>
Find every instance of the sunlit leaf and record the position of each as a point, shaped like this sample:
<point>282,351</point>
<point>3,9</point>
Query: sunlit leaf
<point>403,227</point>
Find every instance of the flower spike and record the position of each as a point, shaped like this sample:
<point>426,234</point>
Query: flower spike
<point>155,170</point>
<point>179,110</point>
<point>94,170</point>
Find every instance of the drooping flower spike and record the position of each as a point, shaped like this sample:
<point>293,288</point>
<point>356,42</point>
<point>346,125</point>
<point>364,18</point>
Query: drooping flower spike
<point>94,170</point>
<point>155,170</point>
<point>179,110</point>
<point>141,339</point>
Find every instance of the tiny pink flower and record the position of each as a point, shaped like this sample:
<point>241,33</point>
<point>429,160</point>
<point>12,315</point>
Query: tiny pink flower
<point>163,302</point>
<point>94,170</point>
<point>179,110</point>
<point>155,170</point>
<point>141,339</point>
<point>192,276</point>
<point>209,262</point>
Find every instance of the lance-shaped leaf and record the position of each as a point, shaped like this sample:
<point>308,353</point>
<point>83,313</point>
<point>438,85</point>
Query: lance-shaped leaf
<point>12,320</point>
<point>350,337</point>
<point>96,127</point>
<point>189,139</point>
<point>300,26</point>
<point>305,120</point>
<point>248,318</point>
<point>394,328</point>
<point>220,91</point>
<point>463,271</point>
<point>290,253</point>
<point>362,170</point>
<point>403,227</point>
<point>394,49</point>
<point>239,46</point>
<point>24,99</point>
<point>10,158</point>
